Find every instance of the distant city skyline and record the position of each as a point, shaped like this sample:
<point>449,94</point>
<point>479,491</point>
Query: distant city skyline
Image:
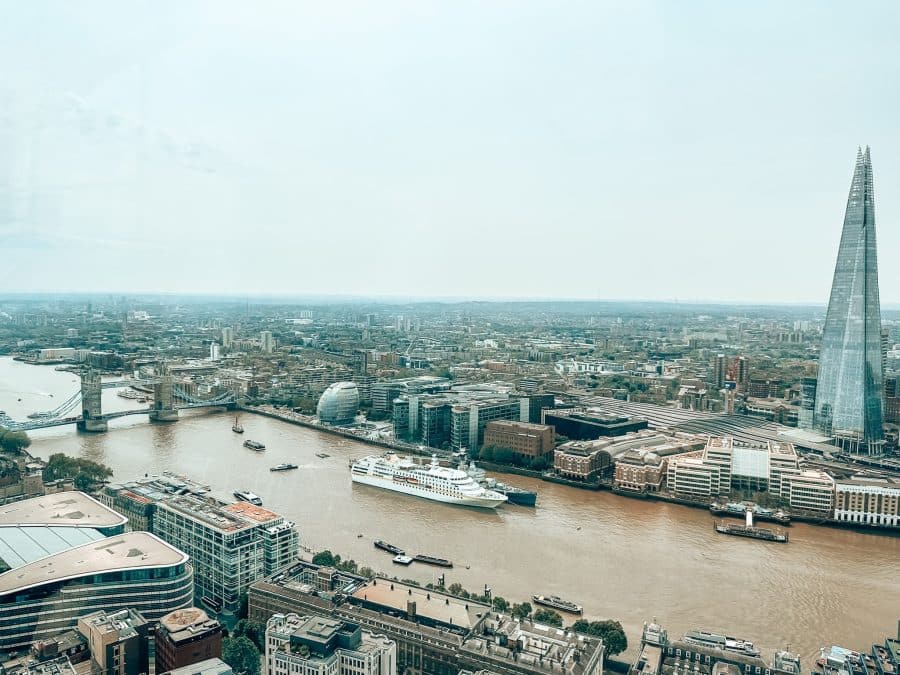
<point>636,152</point>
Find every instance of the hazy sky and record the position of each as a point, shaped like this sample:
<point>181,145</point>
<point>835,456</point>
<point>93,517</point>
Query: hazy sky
<point>626,150</point>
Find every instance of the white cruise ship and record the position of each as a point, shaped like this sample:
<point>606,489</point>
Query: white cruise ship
<point>429,481</point>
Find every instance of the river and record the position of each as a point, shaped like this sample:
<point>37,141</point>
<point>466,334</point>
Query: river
<point>621,558</point>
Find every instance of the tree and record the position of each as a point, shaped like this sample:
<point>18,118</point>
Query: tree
<point>86,473</point>
<point>325,558</point>
<point>611,632</point>
<point>13,441</point>
<point>241,654</point>
<point>522,611</point>
<point>613,635</point>
<point>253,631</point>
<point>549,617</point>
<point>500,604</point>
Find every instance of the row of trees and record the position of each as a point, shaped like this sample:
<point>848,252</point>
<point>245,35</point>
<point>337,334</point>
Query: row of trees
<point>610,631</point>
<point>328,559</point>
<point>87,473</point>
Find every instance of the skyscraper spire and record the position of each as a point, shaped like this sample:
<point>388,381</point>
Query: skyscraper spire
<point>850,394</point>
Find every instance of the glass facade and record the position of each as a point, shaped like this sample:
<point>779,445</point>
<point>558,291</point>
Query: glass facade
<point>339,404</point>
<point>849,393</point>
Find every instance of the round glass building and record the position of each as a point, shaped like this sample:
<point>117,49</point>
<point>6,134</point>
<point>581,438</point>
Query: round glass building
<point>339,403</point>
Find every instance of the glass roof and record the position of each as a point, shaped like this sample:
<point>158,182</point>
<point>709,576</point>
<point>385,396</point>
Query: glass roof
<point>22,545</point>
<point>751,462</point>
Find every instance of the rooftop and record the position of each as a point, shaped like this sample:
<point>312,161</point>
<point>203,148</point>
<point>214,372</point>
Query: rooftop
<point>256,513</point>
<point>209,511</point>
<point>122,623</point>
<point>214,666</point>
<point>68,509</point>
<point>22,545</point>
<point>132,550</point>
<point>430,604</point>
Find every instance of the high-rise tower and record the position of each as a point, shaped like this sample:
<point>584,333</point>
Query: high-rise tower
<point>849,393</point>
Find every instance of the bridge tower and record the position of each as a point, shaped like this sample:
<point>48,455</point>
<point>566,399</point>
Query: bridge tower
<point>163,409</point>
<point>91,407</point>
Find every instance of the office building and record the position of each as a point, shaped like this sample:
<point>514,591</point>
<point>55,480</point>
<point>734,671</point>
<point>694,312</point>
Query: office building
<point>185,637</point>
<point>118,641</point>
<point>868,501</point>
<point>469,420</point>
<point>587,424</point>
<point>266,342</point>
<point>59,569</point>
<point>527,440</point>
<point>849,393</point>
<point>319,645</point>
<point>227,337</point>
<point>231,545</point>
<point>720,368</point>
<point>809,491</point>
<point>733,466</point>
<point>339,404</point>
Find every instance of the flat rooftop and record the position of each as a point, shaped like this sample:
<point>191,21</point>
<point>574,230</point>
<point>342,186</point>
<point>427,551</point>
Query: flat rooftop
<point>69,509</point>
<point>129,551</point>
<point>430,604</point>
<point>255,513</point>
<point>211,512</point>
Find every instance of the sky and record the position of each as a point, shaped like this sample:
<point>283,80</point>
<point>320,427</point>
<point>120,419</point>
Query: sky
<point>595,150</point>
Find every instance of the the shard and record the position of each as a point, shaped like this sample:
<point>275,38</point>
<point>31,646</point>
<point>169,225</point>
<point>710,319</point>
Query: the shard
<point>850,393</point>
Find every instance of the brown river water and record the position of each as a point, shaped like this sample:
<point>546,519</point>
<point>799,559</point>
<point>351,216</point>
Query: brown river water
<point>621,558</point>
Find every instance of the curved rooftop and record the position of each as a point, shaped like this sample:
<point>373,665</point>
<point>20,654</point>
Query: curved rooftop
<point>181,618</point>
<point>62,509</point>
<point>129,551</point>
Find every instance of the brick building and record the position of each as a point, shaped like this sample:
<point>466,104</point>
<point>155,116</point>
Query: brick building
<point>523,438</point>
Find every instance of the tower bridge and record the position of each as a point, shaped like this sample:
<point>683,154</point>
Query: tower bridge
<point>168,399</point>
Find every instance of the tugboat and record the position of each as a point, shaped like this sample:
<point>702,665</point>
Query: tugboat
<point>401,560</point>
<point>247,496</point>
<point>557,602</point>
<point>430,560</point>
<point>254,445</point>
<point>390,548</point>
<point>285,466</point>
<point>514,495</point>
<point>236,427</point>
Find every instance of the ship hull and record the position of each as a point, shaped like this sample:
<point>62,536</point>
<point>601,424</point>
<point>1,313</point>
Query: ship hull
<point>424,493</point>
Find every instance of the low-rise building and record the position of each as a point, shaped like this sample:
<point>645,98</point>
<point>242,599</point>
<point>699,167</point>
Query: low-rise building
<point>185,637</point>
<point>318,645</point>
<point>510,646</point>
<point>868,502</point>
<point>581,460</point>
<point>532,441</point>
<point>213,666</point>
<point>640,470</point>
<point>118,641</point>
<point>428,626</point>
<point>810,490</point>
<point>585,425</point>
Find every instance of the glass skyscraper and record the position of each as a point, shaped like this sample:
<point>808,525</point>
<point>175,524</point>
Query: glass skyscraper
<point>850,392</point>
